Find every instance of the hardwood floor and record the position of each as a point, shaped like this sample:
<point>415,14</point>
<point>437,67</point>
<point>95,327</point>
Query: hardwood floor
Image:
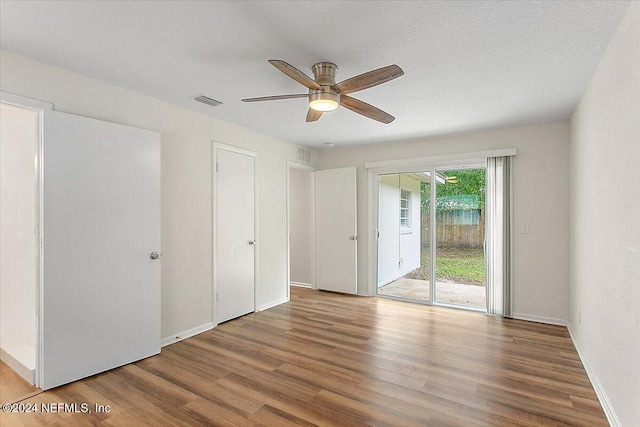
<point>337,360</point>
<point>12,386</point>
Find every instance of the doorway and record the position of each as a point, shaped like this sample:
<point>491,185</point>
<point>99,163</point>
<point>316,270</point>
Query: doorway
<point>300,183</point>
<point>87,273</point>
<point>19,137</point>
<point>425,222</point>
<point>329,218</point>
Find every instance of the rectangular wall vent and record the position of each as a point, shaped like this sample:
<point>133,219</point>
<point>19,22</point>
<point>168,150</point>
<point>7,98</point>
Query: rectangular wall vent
<point>304,154</point>
<point>206,100</point>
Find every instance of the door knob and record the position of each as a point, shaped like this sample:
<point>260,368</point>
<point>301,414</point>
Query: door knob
<point>252,242</point>
<point>353,238</point>
<point>154,255</point>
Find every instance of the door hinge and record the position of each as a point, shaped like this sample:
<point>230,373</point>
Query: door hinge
<point>216,166</point>
<point>217,298</point>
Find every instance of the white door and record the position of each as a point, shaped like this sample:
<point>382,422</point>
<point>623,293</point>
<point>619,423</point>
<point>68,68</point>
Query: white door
<point>235,234</point>
<point>336,230</point>
<point>101,204</point>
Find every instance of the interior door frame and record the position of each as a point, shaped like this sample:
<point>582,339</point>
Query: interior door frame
<point>311,169</point>
<point>214,226</point>
<point>38,107</point>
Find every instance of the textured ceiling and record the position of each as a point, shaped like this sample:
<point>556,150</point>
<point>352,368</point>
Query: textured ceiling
<point>468,65</point>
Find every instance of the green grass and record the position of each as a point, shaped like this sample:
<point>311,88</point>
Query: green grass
<point>461,265</point>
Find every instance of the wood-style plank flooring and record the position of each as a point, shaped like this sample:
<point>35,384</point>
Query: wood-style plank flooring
<point>12,386</point>
<point>335,360</point>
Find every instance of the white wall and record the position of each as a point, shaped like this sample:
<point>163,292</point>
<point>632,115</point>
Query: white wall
<point>18,244</point>
<point>541,201</point>
<point>398,249</point>
<point>410,238</point>
<point>605,222</point>
<point>186,182</point>
<point>301,226</point>
<point>389,227</point>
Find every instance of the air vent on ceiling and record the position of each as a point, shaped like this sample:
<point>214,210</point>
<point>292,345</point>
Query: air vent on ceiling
<point>206,100</point>
<point>304,154</point>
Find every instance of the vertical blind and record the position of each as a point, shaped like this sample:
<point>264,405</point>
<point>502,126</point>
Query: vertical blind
<point>498,236</point>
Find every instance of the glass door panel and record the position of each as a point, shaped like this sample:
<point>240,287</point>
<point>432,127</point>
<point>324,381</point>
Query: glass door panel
<point>459,222</point>
<point>404,256</point>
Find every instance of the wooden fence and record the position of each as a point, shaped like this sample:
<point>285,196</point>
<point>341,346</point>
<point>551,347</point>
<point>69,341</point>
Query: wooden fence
<point>455,228</point>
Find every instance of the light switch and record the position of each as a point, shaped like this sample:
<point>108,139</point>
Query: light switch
<point>525,229</point>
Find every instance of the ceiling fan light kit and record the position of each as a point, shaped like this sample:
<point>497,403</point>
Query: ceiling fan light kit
<point>324,101</point>
<point>325,95</point>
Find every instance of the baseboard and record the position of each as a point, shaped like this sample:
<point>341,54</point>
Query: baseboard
<point>185,334</point>
<point>540,319</point>
<point>609,412</point>
<point>29,375</point>
<point>273,304</point>
<point>301,285</point>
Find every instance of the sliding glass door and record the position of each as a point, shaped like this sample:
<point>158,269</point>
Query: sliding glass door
<point>429,218</point>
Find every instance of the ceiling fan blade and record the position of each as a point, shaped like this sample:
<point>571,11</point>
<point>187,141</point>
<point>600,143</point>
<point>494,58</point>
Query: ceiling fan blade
<point>365,109</point>
<point>367,80</point>
<point>276,97</point>
<point>313,115</point>
<point>295,74</point>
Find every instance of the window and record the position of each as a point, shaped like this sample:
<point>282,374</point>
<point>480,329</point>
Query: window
<point>405,209</point>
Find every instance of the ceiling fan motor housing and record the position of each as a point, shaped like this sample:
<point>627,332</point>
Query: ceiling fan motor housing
<point>324,73</point>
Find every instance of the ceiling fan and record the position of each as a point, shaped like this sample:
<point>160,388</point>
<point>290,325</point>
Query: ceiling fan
<point>327,95</point>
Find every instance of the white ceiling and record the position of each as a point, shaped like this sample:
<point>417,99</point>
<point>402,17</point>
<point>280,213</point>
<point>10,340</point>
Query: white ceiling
<point>468,65</point>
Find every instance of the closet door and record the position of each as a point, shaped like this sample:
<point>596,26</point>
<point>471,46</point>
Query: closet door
<point>101,233</point>
<point>336,230</point>
<point>236,238</point>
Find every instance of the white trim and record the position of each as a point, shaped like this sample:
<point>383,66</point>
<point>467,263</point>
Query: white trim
<point>214,234</point>
<point>540,319</point>
<point>440,160</point>
<point>39,374</point>
<point>272,304</point>
<point>607,407</point>
<point>373,232</point>
<point>297,165</point>
<point>39,107</point>
<point>433,238</point>
<point>301,285</point>
<point>29,375</point>
<point>220,146</point>
<point>214,226</point>
<point>186,334</point>
<point>23,101</point>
